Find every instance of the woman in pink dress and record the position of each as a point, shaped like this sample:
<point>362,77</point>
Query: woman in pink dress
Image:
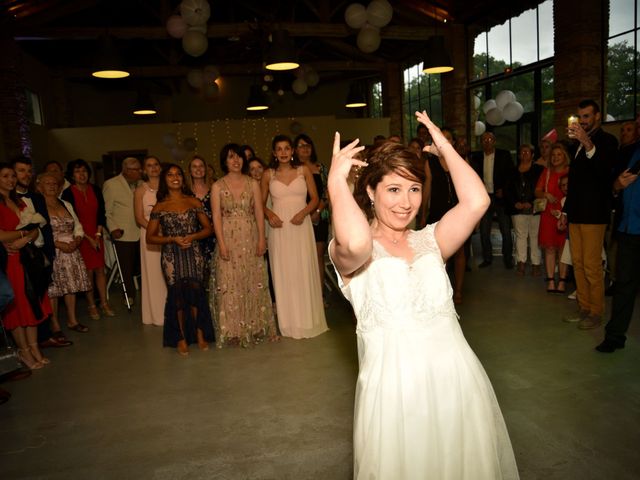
<point>24,313</point>
<point>549,237</point>
<point>154,288</point>
<point>88,203</point>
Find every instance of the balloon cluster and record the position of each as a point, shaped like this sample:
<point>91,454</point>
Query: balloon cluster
<point>204,81</point>
<point>369,20</point>
<point>306,77</point>
<point>191,26</point>
<point>503,108</point>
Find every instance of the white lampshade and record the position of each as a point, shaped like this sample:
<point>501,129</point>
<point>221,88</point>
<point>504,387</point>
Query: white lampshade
<point>379,13</point>
<point>368,39</point>
<point>355,15</point>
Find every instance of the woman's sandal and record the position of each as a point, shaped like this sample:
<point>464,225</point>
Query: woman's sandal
<point>30,363</point>
<point>183,348</point>
<point>93,312</point>
<point>553,281</point>
<point>78,327</point>
<point>37,354</point>
<point>563,281</point>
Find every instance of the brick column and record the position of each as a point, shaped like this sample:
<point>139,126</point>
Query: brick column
<point>392,90</point>
<point>578,66</point>
<point>14,126</point>
<point>454,83</point>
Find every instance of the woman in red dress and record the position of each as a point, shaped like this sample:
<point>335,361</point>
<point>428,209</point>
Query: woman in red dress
<point>22,316</point>
<point>88,203</point>
<point>549,237</point>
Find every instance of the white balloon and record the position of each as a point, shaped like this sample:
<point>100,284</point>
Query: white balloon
<point>176,26</point>
<point>609,118</point>
<point>368,39</point>
<point>195,43</point>
<point>488,105</point>
<point>299,86</point>
<point>379,13</point>
<point>479,129</point>
<point>476,102</point>
<point>355,15</point>
<point>195,78</point>
<point>195,12</point>
<point>513,111</point>
<point>495,117</point>
<point>211,73</point>
<point>504,97</point>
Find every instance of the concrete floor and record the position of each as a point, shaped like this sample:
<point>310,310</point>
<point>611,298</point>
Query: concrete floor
<point>117,405</point>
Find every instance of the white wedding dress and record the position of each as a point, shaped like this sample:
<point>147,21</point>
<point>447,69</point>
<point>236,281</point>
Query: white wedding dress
<point>424,406</point>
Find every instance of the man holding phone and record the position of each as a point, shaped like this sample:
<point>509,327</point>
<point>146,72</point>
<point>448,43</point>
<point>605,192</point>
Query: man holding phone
<point>628,257</point>
<point>588,209</point>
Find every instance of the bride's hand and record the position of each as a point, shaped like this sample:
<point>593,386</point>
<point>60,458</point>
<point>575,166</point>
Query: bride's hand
<point>438,138</point>
<point>343,159</point>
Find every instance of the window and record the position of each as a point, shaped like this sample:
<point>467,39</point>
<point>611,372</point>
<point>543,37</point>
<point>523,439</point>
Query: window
<point>521,40</point>
<point>421,92</point>
<point>376,100</point>
<point>34,110</point>
<point>622,60</point>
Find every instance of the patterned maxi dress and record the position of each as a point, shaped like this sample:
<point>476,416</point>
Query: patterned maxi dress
<point>184,274</point>
<point>239,287</point>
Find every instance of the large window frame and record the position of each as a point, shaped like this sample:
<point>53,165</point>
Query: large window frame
<point>420,92</point>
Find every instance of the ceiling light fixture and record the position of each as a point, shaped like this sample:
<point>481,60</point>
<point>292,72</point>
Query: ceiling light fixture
<point>355,98</point>
<point>257,99</point>
<point>108,62</point>
<point>144,105</point>
<point>282,53</point>
<point>436,60</point>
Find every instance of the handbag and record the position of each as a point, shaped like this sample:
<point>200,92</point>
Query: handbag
<point>540,204</point>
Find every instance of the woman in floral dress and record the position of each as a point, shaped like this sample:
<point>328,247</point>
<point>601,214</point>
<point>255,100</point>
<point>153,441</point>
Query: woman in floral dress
<point>239,292</point>
<point>182,221</point>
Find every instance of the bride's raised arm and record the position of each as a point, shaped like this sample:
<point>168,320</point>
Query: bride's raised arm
<point>457,224</point>
<point>352,244</point>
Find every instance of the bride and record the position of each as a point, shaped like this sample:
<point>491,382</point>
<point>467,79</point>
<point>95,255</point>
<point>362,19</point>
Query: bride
<point>424,406</point>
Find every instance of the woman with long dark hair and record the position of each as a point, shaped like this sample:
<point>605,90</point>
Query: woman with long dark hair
<point>177,222</point>
<point>294,264</point>
<point>26,311</point>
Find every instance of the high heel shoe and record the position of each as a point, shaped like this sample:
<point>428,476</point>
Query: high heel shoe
<point>183,348</point>
<point>561,281</point>
<point>37,354</point>
<point>551,285</point>
<point>93,312</point>
<point>30,363</point>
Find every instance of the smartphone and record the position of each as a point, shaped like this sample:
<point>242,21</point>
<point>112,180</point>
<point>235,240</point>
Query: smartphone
<point>635,168</point>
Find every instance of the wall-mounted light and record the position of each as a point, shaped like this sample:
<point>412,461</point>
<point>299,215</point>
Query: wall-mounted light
<point>257,99</point>
<point>144,105</point>
<point>282,53</point>
<point>108,63</point>
<point>355,97</point>
<point>436,59</point>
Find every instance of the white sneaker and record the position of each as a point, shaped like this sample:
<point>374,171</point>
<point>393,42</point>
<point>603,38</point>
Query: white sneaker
<point>572,296</point>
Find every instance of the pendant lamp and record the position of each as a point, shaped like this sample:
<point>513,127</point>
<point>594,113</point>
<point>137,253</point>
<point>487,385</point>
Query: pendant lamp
<point>282,53</point>
<point>108,63</point>
<point>355,97</point>
<point>436,59</point>
<point>257,99</point>
<point>144,105</point>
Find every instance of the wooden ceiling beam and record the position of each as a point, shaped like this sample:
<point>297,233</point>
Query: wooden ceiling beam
<point>222,30</point>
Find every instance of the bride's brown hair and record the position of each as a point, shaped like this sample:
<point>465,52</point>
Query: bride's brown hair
<point>383,160</point>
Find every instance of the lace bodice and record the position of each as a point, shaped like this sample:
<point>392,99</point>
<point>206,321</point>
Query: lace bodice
<point>390,293</point>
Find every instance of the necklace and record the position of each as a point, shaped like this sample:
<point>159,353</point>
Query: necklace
<point>395,241</point>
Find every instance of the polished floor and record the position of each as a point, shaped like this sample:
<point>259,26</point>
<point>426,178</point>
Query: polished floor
<point>118,406</point>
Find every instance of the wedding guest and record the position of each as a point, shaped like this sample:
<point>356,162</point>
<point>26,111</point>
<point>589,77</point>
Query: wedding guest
<point>177,222</point>
<point>153,286</point>
<point>294,262</point>
<point>25,312</point>
<point>239,291</point>
<point>87,201</point>
<point>69,272</point>
<point>200,185</point>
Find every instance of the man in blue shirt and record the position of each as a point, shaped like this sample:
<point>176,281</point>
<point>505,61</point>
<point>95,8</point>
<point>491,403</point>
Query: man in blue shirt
<point>628,258</point>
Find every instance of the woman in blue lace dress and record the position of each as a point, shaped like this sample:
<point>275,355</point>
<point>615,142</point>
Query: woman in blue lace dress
<point>177,222</point>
